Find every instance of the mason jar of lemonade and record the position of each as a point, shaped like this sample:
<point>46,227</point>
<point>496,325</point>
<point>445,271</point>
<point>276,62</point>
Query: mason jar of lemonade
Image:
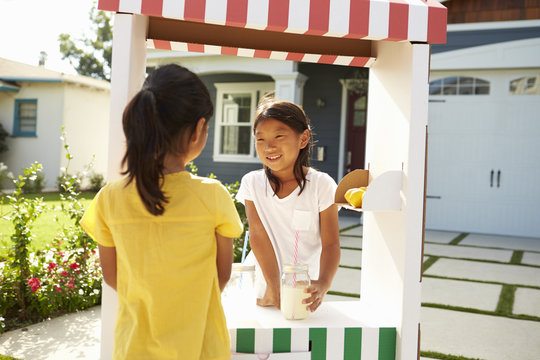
<point>294,282</point>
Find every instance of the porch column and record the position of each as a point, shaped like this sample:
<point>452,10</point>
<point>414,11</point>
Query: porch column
<point>127,77</point>
<point>290,87</point>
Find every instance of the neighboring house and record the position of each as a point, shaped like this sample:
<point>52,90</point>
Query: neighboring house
<point>35,103</point>
<point>483,162</point>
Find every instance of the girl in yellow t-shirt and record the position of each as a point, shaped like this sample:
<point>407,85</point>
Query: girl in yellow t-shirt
<point>164,235</point>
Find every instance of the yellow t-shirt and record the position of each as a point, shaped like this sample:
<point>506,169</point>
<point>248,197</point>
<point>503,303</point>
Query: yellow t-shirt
<point>169,301</point>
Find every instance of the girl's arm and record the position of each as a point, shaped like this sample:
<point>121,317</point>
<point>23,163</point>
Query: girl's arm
<point>266,257</point>
<point>224,259</point>
<point>107,258</point>
<point>330,257</point>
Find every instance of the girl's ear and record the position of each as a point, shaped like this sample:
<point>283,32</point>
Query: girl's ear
<point>304,139</point>
<point>201,130</point>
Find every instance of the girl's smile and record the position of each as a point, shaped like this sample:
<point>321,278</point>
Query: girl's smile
<point>273,158</point>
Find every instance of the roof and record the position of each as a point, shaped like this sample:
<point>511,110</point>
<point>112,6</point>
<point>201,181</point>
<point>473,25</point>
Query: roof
<point>461,36</point>
<point>13,71</point>
<point>324,31</point>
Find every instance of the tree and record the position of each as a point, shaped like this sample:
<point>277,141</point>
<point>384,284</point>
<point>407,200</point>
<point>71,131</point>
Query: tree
<point>91,56</point>
<point>42,58</point>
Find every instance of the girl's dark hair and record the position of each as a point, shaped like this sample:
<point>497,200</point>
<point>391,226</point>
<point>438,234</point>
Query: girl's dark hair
<point>294,117</point>
<point>156,121</point>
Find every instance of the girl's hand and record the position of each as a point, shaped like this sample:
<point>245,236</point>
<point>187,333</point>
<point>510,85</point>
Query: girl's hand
<point>270,298</point>
<point>318,290</point>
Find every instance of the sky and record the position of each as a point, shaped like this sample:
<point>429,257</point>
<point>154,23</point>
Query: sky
<point>28,27</point>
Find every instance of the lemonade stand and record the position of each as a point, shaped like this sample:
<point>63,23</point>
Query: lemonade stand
<point>392,38</point>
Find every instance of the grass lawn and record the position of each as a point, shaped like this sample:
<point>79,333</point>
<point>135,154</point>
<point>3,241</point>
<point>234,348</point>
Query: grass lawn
<point>47,225</point>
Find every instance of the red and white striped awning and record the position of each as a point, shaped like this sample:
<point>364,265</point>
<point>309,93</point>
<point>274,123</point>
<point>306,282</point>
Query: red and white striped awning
<point>360,61</point>
<point>388,20</point>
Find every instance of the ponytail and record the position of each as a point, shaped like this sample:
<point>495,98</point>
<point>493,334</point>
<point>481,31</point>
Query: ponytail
<point>145,151</point>
<point>155,121</point>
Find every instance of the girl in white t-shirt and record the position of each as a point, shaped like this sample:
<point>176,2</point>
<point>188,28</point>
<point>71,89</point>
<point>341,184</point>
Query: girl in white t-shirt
<point>290,206</point>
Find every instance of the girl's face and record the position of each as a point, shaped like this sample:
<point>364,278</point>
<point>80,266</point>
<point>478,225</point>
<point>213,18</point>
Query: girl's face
<point>278,146</point>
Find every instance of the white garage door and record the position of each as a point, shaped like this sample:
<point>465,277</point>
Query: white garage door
<point>484,156</point>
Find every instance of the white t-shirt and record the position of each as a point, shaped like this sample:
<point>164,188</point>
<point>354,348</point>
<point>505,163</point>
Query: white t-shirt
<point>282,218</point>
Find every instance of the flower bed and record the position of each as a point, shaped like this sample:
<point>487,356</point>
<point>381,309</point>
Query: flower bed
<point>62,278</point>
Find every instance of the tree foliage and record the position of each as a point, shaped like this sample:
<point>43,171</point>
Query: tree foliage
<point>91,56</point>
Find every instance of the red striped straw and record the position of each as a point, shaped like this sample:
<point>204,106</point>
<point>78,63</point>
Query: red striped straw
<point>295,262</point>
<point>295,255</point>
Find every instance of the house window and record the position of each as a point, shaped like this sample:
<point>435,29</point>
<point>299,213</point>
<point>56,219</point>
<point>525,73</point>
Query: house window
<point>25,121</point>
<point>527,85</point>
<point>235,110</point>
<point>459,85</point>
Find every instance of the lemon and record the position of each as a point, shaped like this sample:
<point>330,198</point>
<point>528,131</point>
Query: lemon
<point>355,196</point>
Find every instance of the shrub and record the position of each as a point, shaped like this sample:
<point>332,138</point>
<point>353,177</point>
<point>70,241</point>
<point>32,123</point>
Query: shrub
<point>3,135</point>
<point>97,181</point>
<point>16,271</point>
<point>238,243</point>
<point>4,175</point>
<point>65,181</point>
<point>64,277</point>
<point>35,183</point>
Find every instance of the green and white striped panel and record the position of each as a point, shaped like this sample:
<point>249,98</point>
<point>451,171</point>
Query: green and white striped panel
<point>326,343</point>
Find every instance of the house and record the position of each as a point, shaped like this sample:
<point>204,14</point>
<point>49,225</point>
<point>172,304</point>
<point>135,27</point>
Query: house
<point>35,103</point>
<point>483,117</point>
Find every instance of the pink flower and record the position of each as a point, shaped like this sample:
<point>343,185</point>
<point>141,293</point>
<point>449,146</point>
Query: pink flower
<point>60,253</point>
<point>65,273</point>
<point>74,266</point>
<point>57,288</point>
<point>52,266</point>
<point>34,284</point>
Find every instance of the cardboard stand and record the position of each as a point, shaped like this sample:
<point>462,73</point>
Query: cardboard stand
<point>391,38</point>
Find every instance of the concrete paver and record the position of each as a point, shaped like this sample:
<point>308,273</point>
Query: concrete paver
<point>460,293</point>
<point>468,252</point>
<point>350,241</point>
<point>479,336</point>
<point>351,257</point>
<point>507,242</point>
<point>346,221</point>
<point>72,336</point>
<point>357,231</point>
<point>347,281</point>
<point>476,270</point>
<point>527,301</point>
<point>443,237</point>
<point>531,258</point>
